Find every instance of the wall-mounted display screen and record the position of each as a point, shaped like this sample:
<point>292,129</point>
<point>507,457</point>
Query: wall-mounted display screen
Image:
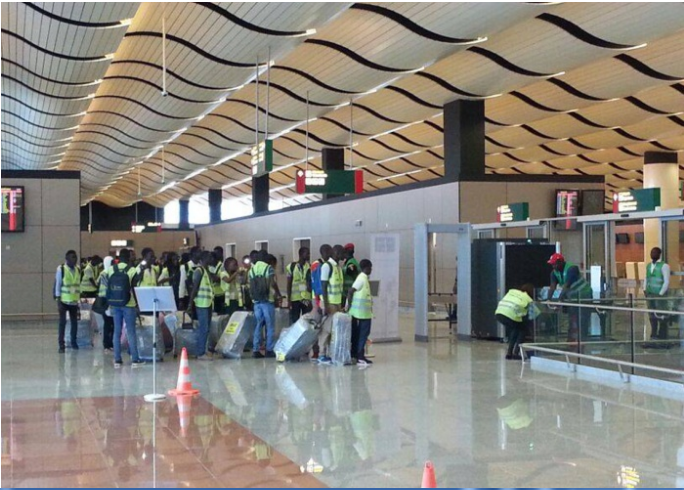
<point>593,202</point>
<point>13,199</point>
<point>567,206</point>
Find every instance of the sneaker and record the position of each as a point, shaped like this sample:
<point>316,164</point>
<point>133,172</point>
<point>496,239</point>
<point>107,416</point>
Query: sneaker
<point>257,355</point>
<point>270,354</point>
<point>108,349</point>
<point>137,363</point>
<point>205,357</point>
<point>62,350</point>
<point>118,364</point>
<point>324,360</point>
<point>364,361</point>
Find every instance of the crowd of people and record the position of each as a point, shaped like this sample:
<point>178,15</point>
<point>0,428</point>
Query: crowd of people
<point>204,284</point>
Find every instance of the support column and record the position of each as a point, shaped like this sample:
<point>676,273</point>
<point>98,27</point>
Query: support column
<point>464,143</point>
<point>260,193</point>
<point>184,214</point>
<point>661,170</point>
<point>215,201</point>
<point>333,159</point>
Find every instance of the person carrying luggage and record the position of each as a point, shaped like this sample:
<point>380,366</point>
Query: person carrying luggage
<point>67,292</point>
<point>360,307</point>
<point>511,312</point>
<point>332,280</point>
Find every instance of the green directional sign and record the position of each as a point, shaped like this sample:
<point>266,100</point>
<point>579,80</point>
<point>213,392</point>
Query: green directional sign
<point>636,200</point>
<point>329,181</point>
<point>519,211</point>
<point>262,158</point>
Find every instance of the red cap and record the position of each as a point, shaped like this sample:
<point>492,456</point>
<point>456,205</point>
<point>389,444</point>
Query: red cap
<point>349,246</point>
<point>555,258</point>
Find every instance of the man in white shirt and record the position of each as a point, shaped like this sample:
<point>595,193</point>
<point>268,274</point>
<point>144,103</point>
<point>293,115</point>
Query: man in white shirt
<point>656,286</point>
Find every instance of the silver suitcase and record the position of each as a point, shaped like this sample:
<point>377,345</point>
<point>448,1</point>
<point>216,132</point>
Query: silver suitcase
<point>238,331</point>
<point>340,341</point>
<point>296,341</point>
<point>216,328</point>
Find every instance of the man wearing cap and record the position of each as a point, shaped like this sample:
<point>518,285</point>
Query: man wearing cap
<point>559,272</point>
<point>574,289</point>
<point>351,270</point>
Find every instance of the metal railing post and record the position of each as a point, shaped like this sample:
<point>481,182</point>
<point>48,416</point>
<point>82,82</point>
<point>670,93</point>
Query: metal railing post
<point>631,321</point>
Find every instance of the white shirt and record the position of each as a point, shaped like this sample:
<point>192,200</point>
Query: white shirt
<point>666,276</point>
<point>327,271</point>
<point>361,279</point>
<point>182,290</point>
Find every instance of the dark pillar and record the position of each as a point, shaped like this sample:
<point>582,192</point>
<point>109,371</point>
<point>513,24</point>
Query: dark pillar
<point>464,143</point>
<point>333,159</point>
<point>184,214</point>
<point>260,196</point>
<point>215,200</point>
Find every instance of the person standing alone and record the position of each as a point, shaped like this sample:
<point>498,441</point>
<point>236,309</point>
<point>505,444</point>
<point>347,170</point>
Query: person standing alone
<point>67,293</point>
<point>656,286</point>
<point>360,307</point>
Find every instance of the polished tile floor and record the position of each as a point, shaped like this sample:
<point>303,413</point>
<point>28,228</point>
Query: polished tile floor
<point>72,420</point>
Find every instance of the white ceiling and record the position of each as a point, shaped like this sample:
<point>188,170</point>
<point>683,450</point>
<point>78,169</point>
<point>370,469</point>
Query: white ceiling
<point>576,88</point>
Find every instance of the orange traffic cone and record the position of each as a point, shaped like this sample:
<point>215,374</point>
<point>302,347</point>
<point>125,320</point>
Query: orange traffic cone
<point>429,480</point>
<point>184,406</point>
<point>184,386</point>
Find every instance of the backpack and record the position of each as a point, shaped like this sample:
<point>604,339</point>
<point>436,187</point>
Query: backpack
<point>119,287</point>
<point>259,288</point>
<point>316,283</point>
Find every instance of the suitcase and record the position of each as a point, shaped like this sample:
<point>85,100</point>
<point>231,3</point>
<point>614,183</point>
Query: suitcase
<point>145,336</point>
<point>84,334</point>
<point>296,341</point>
<point>218,325</point>
<point>340,341</point>
<point>188,338</point>
<point>282,321</point>
<point>237,332</point>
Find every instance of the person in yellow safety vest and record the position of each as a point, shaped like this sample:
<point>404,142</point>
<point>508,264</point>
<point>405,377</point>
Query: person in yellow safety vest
<point>274,295</point>
<point>91,273</point>
<point>147,269</point>
<point>230,277</point>
<point>202,300</point>
<point>67,293</point>
<point>360,307</point>
<point>299,285</point>
<point>186,275</point>
<point>656,286</point>
<point>262,284</point>
<point>332,280</point>
<point>216,270</point>
<point>120,291</point>
<point>511,312</point>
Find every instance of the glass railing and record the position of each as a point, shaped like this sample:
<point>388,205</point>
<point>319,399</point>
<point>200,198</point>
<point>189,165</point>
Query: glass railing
<point>643,336</point>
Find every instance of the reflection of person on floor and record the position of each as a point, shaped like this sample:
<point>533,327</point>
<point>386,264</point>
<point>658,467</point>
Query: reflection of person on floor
<point>121,437</point>
<point>656,286</point>
<point>363,421</point>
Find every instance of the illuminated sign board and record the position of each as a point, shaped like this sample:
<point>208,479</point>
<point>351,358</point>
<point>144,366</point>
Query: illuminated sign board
<point>329,181</point>
<point>121,243</point>
<point>262,158</point>
<point>636,200</point>
<point>519,211</point>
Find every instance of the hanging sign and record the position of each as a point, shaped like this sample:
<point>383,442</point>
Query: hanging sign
<point>636,200</point>
<point>262,158</point>
<point>329,181</point>
<point>519,211</point>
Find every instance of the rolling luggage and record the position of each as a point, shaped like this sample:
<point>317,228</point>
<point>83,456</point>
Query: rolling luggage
<point>216,328</point>
<point>296,341</point>
<point>237,332</point>
<point>145,336</point>
<point>340,341</point>
<point>188,338</point>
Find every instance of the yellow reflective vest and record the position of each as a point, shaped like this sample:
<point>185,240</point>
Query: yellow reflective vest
<point>514,305</point>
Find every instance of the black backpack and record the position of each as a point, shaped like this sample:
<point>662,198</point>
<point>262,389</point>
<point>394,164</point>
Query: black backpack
<point>119,287</point>
<point>259,288</point>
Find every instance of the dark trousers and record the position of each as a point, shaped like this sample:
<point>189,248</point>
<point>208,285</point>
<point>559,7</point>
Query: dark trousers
<point>92,294</point>
<point>360,332</point>
<point>659,323</point>
<point>108,332</point>
<point>73,317</point>
<point>219,304</point>
<point>515,331</point>
<point>298,309</point>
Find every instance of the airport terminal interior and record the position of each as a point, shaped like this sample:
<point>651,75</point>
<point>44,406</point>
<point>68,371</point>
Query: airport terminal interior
<point>342,244</point>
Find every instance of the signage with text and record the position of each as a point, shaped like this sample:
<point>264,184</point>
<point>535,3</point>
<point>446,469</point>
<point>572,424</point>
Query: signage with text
<point>329,181</point>
<point>262,158</point>
<point>636,200</point>
<point>519,211</point>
